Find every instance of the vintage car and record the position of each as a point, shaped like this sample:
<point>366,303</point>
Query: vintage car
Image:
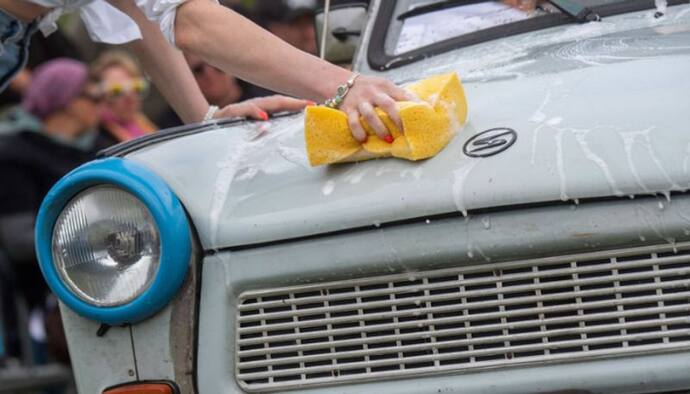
<point>546,249</point>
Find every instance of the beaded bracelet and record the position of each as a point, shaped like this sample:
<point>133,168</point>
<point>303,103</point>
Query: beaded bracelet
<point>341,92</point>
<point>212,109</point>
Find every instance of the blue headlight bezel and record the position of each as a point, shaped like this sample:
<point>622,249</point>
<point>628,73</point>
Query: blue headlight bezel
<point>168,213</point>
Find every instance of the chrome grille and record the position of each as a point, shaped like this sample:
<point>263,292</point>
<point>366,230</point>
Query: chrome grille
<point>595,305</point>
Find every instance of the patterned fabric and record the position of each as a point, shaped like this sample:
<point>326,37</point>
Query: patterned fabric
<point>14,46</point>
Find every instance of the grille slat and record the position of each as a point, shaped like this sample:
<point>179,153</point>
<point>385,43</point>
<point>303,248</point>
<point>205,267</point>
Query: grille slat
<point>582,320</point>
<point>477,293</point>
<point>469,329</point>
<point>441,344</point>
<point>468,282</point>
<point>455,355</point>
<point>521,312</point>
<point>418,359</point>
<point>568,307</point>
<point>394,373</point>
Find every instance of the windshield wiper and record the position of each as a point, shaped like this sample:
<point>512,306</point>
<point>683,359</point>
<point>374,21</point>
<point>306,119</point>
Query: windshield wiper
<point>571,8</point>
<point>579,12</point>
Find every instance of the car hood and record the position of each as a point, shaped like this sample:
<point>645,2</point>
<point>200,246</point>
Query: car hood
<point>589,123</point>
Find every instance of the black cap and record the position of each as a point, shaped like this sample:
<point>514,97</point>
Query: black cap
<point>284,10</point>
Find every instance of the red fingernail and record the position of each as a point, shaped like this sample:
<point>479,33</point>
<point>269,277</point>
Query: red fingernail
<point>389,139</point>
<point>263,115</point>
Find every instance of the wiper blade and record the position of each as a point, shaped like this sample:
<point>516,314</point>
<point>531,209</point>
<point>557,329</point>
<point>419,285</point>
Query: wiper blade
<point>579,12</point>
<point>571,8</point>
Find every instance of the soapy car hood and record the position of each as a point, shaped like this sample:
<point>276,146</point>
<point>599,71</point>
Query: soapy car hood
<point>573,112</point>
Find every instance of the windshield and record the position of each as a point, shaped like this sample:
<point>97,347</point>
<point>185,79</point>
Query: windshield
<point>408,30</point>
<point>420,30</point>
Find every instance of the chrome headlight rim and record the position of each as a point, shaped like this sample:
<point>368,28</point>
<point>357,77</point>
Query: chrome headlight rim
<point>167,212</point>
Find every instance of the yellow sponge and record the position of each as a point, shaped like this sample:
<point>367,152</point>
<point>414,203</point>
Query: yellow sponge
<point>428,126</point>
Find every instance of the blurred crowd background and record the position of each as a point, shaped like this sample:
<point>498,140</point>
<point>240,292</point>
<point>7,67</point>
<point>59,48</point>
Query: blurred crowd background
<point>73,99</point>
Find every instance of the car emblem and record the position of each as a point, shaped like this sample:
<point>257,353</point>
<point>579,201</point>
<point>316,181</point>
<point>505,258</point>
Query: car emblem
<point>490,142</point>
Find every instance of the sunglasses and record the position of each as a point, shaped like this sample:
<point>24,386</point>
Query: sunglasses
<point>117,89</point>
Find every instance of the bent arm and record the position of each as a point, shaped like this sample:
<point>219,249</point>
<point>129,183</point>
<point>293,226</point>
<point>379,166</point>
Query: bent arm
<point>166,66</point>
<point>239,47</point>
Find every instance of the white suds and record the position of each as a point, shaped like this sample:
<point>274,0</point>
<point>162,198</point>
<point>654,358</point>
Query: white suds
<point>554,121</point>
<point>327,188</point>
<point>660,6</point>
<point>559,163</point>
<point>580,136</point>
<point>539,115</point>
<point>460,177</point>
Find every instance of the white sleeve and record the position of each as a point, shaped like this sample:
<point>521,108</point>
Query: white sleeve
<point>107,24</point>
<point>163,13</point>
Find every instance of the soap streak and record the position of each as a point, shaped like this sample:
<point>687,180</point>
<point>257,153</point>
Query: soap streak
<point>580,136</point>
<point>460,177</point>
<point>559,162</point>
<point>687,158</point>
<point>535,138</point>
<point>629,139</point>
<point>256,142</point>
<point>539,116</point>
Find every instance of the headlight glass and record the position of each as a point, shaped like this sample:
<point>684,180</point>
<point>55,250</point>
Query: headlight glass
<point>106,246</point>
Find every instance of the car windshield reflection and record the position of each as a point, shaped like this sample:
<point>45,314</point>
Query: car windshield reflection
<point>423,29</point>
<point>409,30</point>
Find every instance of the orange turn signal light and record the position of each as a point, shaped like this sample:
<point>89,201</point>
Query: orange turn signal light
<point>143,388</point>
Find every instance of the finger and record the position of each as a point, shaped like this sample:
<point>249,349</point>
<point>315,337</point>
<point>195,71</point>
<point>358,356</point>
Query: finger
<point>226,112</point>
<point>388,106</point>
<point>231,111</point>
<point>370,116</point>
<point>398,93</point>
<point>281,103</point>
<point>251,110</point>
<point>527,5</point>
<point>245,109</point>
<point>356,128</point>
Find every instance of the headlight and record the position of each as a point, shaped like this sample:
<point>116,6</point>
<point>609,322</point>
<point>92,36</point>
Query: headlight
<point>106,246</point>
<point>113,241</point>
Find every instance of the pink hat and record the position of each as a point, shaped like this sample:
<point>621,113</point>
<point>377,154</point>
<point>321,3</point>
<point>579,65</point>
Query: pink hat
<point>53,85</point>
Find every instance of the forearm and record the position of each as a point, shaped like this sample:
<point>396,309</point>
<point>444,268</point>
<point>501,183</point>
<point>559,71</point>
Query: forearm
<point>166,67</point>
<point>239,47</point>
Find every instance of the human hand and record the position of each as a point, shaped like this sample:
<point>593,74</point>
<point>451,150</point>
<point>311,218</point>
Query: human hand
<point>367,93</point>
<point>524,5</point>
<point>259,108</point>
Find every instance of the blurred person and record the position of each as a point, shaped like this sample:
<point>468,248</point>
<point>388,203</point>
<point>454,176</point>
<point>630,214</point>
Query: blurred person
<point>218,87</point>
<point>123,85</point>
<point>290,20</point>
<point>63,105</point>
<point>220,36</point>
<point>222,90</point>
